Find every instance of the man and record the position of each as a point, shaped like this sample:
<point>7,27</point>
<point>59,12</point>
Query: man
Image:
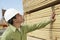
<point>15,30</point>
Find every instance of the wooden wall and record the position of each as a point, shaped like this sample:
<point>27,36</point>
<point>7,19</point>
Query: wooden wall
<point>44,15</point>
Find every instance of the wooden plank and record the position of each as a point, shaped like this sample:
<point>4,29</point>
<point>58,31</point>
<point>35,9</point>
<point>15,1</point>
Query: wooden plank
<point>32,4</point>
<point>45,6</point>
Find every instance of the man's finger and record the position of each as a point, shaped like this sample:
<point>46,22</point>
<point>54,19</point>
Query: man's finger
<point>53,16</point>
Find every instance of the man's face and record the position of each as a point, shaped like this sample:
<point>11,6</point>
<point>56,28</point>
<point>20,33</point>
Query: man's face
<point>19,18</point>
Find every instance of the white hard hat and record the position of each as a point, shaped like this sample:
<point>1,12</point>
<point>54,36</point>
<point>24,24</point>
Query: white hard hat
<point>10,13</point>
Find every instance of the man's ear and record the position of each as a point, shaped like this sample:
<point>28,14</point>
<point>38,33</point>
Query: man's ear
<point>14,20</point>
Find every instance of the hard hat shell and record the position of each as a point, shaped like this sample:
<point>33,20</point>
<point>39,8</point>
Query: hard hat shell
<point>10,13</point>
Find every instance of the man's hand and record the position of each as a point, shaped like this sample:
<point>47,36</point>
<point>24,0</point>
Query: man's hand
<point>53,17</point>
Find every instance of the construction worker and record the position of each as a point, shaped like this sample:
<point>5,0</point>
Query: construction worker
<point>15,30</point>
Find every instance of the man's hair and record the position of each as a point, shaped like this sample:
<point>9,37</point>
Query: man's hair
<point>11,20</point>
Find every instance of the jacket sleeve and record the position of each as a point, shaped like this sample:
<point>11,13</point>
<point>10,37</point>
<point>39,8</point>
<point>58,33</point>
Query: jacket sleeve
<point>5,38</point>
<point>29,28</point>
